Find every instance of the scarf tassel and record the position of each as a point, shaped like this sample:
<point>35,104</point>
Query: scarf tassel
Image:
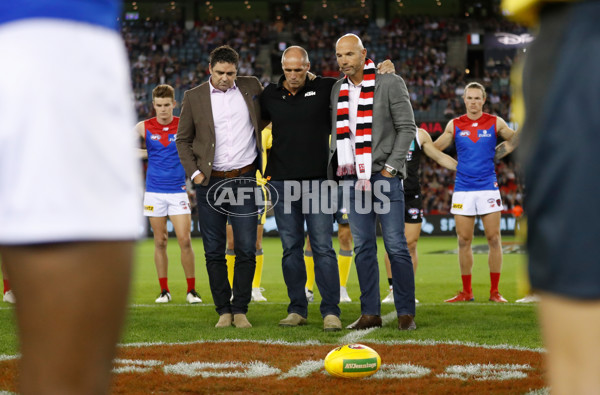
<point>346,170</point>
<point>363,185</point>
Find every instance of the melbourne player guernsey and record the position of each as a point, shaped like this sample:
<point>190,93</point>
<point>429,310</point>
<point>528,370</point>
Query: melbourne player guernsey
<point>165,173</point>
<point>475,142</point>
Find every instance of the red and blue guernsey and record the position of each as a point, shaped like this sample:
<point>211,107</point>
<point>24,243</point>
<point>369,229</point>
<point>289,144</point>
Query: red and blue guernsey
<point>97,12</point>
<point>475,142</point>
<point>165,173</point>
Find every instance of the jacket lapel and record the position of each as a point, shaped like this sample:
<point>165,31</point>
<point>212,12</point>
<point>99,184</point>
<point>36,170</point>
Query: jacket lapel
<point>206,107</point>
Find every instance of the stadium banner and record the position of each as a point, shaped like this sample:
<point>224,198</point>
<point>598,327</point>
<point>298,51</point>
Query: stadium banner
<point>507,40</point>
<point>433,225</point>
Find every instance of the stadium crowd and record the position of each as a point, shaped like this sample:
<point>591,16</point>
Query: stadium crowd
<point>168,53</point>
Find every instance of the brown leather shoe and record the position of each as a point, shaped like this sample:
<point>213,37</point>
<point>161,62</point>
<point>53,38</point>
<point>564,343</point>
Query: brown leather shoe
<point>406,323</point>
<point>225,321</point>
<point>366,321</point>
<point>240,321</point>
<point>332,323</point>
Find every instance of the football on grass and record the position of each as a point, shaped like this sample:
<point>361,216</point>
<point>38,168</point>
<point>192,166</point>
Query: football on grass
<point>352,360</point>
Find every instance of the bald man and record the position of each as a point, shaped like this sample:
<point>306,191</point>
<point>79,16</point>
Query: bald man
<point>372,128</point>
<point>298,107</point>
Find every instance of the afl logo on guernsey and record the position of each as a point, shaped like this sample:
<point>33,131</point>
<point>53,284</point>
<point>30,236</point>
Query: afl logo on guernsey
<point>464,133</point>
<point>155,137</point>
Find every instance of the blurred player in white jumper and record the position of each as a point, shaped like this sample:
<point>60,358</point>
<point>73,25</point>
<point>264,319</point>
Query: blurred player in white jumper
<point>166,192</point>
<point>69,188</point>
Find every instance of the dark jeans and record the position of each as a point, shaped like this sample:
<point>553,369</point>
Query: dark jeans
<point>387,204</point>
<point>290,218</point>
<point>232,198</point>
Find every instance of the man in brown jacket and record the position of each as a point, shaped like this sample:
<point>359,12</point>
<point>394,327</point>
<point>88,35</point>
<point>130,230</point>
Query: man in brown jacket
<point>219,146</point>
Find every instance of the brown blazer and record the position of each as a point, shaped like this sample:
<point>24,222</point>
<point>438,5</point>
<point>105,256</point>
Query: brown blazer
<point>196,131</point>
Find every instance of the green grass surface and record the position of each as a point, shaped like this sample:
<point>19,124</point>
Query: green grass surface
<point>438,278</point>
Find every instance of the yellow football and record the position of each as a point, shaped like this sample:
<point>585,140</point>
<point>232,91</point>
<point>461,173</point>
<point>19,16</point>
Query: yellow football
<point>352,360</point>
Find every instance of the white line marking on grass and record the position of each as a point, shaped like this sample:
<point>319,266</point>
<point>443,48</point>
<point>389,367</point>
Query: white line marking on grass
<point>310,342</point>
<point>485,372</point>
<point>457,343</point>
<point>228,369</point>
<point>196,305</point>
<point>130,369</point>
<point>542,391</point>
<point>355,336</point>
<point>268,342</point>
<point>401,371</point>
<point>316,342</point>
<point>305,369</point>
<point>141,362</point>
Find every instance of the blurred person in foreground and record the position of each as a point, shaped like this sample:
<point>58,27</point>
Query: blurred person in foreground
<point>476,192</point>
<point>372,128</point>
<point>561,166</point>
<point>67,132</point>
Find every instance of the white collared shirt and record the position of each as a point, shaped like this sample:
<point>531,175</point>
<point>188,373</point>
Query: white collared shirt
<point>235,142</point>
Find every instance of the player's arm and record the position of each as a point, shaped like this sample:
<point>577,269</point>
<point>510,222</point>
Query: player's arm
<point>442,142</point>
<point>511,139</point>
<point>140,130</point>
<point>431,151</point>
